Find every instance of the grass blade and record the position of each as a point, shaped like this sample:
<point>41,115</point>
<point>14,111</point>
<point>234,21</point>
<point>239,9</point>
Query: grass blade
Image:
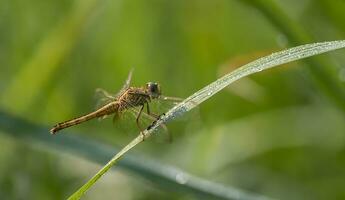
<point>323,71</point>
<point>273,60</point>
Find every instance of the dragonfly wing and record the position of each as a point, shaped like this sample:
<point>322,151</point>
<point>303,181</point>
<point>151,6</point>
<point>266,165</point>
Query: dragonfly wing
<point>164,103</point>
<point>146,120</point>
<point>126,85</point>
<point>103,97</point>
<point>167,102</point>
<point>127,121</point>
<point>171,99</point>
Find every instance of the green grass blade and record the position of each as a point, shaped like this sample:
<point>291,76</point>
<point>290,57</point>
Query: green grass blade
<point>167,177</point>
<point>197,98</point>
<point>323,72</point>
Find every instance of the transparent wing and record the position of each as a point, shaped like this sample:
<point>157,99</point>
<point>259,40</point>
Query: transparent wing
<point>127,122</point>
<point>126,85</point>
<point>103,97</point>
<point>163,104</point>
<point>174,100</point>
<point>162,134</point>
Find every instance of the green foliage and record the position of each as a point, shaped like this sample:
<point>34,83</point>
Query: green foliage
<point>279,133</point>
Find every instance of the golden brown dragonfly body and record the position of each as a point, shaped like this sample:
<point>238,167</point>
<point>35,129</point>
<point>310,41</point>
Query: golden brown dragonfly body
<point>128,97</point>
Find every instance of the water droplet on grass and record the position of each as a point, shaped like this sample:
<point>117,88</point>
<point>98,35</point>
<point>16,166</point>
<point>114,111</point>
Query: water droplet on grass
<point>181,178</point>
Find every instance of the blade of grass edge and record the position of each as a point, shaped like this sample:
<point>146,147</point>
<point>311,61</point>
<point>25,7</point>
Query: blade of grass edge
<point>275,59</point>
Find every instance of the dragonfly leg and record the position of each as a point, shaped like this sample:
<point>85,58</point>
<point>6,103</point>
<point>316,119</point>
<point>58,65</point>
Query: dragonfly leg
<point>151,114</point>
<point>157,118</point>
<point>138,123</point>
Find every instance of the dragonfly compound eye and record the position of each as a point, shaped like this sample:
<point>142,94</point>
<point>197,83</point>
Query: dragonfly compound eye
<point>153,89</point>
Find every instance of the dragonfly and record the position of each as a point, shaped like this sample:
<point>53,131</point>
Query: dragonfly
<point>133,99</point>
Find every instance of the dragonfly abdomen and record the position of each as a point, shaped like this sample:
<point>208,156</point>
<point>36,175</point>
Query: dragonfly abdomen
<point>107,109</point>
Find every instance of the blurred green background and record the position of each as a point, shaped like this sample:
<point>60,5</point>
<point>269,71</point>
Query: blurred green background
<point>279,133</point>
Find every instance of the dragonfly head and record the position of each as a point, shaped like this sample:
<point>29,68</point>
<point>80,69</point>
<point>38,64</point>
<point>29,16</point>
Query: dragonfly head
<point>153,89</point>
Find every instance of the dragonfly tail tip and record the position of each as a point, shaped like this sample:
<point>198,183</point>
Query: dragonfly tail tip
<point>53,131</point>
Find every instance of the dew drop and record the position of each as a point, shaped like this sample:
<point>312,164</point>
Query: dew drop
<point>181,178</point>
